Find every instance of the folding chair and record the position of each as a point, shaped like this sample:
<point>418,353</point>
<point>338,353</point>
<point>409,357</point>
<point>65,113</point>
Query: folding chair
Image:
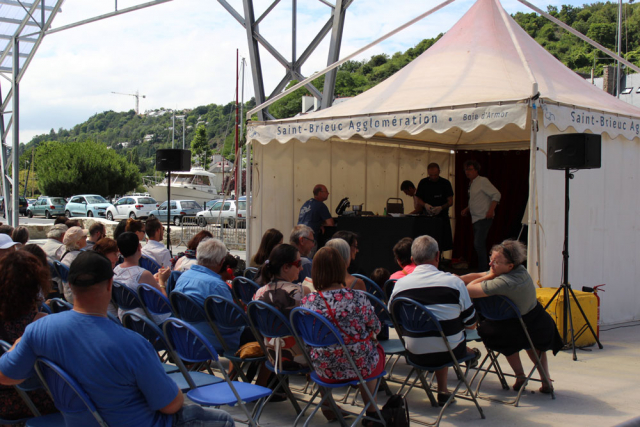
<point>314,330</point>
<point>63,270</point>
<point>250,273</point>
<point>244,289</point>
<point>179,374</point>
<point>372,287</point>
<point>193,347</point>
<point>267,321</point>
<point>124,297</point>
<point>149,264</point>
<point>44,308</point>
<point>59,305</point>
<point>388,287</point>
<point>75,404</point>
<point>415,319</point>
<point>171,282</point>
<point>153,301</point>
<point>499,308</point>
<point>221,312</point>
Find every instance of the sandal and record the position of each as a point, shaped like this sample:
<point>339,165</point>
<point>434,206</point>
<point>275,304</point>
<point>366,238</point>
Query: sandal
<point>520,380</point>
<point>443,397</point>
<point>546,388</point>
<point>330,415</point>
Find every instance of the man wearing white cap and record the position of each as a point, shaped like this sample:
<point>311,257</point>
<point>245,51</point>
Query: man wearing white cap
<point>6,245</point>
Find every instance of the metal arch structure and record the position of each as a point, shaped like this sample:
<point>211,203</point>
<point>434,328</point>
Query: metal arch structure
<point>23,26</point>
<point>335,25</point>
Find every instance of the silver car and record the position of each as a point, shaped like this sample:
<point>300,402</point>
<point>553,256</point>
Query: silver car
<point>86,205</point>
<point>47,206</point>
<point>131,207</point>
<point>224,212</point>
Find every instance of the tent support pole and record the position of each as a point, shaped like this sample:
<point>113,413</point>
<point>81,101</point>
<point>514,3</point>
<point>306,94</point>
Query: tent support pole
<point>531,263</point>
<point>247,227</point>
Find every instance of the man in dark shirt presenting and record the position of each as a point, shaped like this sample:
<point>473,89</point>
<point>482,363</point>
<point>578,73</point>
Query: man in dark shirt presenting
<point>314,213</point>
<point>437,192</point>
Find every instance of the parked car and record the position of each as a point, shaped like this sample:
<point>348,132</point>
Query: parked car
<point>179,209</point>
<point>86,205</point>
<point>131,207</point>
<point>210,203</point>
<point>224,212</point>
<point>47,206</point>
<point>22,205</point>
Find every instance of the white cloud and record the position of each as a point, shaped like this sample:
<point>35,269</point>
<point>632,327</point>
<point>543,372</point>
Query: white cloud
<point>182,53</point>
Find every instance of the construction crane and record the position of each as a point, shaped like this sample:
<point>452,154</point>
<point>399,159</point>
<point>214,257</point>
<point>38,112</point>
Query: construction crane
<point>136,95</point>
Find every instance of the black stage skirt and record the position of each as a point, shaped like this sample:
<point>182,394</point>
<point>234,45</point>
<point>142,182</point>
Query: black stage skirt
<point>507,336</point>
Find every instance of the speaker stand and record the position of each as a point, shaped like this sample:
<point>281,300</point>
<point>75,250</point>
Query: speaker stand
<point>169,212</point>
<point>565,287</point>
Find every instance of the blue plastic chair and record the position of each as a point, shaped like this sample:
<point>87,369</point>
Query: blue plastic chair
<point>314,330</point>
<point>186,308</point>
<point>75,404</point>
<point>59,305</point>
<point>387,288</point>
<point>501,308</point>
<point>44,308</point>
<point>250,273</point>
<point>267,321</point>
<point>244,289</point>
<point>149,264</point>
<point>193,347</point>
<point>172,280</point>
<point>153,301</point>
<point>179,373</point>
<point>392,347</point>
<point>124,297</point>
<point>415,319</point>
<point>372,287</point>
<point>225,313</point>
<point>63,271</point>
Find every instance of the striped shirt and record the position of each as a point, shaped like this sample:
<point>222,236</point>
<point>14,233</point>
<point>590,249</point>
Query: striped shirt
<point>446,296</point>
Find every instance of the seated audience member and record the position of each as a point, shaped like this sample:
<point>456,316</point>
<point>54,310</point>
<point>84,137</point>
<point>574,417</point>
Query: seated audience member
<point>61,219</point>
<point>402,253</point>
<point>130,274</point>
<point>109,248</point>
<point>380,276</point>
<point>446,296</point>
<point>227,271</point>
<point>189,258</point>
<point>53,247</point>
<point>135,226</point>
<point>96,232</point>
<point>120,228</point>
<point>354,317</point>
<point>37,251</point>
<point>6,229</point>
<point>6,245</point>
<point>352,239</point>
<point>203,280</point>
<point>23,281</point>
<point>74,240</point>
<point>154,248</point>
<point>507,276</point>
<point>343,249</point>
<point>20,235</point>
<point>270,240</point>
<point>280,291</point>
<point>119,369</point>
<point>302,238</point>
<point>73,223</point>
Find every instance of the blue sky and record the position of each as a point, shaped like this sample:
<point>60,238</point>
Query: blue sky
<point>182,53</point>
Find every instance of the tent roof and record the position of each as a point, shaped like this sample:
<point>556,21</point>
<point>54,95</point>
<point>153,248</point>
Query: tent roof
<point>486,59</point>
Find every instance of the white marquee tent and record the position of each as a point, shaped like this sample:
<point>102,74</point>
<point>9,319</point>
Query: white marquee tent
<point>485,85</point>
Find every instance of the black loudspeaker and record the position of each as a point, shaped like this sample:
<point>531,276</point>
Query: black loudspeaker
<point>574,151</point>
<point>170,160</point>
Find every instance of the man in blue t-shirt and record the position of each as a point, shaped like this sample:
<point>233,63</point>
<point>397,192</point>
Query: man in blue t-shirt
<point>117,368</point>
<point>315,213</point>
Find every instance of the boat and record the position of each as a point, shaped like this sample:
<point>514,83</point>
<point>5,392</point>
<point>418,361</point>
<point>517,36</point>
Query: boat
<point>197,184</point>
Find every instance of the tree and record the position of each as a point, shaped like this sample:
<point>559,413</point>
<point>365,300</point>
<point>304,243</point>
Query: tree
<point>200,147</point>
<point>65,169</point>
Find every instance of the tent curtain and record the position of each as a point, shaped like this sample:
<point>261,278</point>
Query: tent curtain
<point>509,172</point>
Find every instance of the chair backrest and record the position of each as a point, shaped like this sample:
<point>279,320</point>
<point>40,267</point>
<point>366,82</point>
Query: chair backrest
<point>124,297</point>
<point>496,307</point>
<point>414,318</point>
<point>225,312</point>
<point>268,320</point>
<point>52,268</point>
<point>147,328</point>
<point>63,270</point>
<point>74,403</point>
<point>44,308</point>
<point>381,310</point>
<point>190,345</point>
<point>58,305</point>
<point>172,280</point>
<point>372,287</point>
<point>186,308</point>
<point>314,329</point>
<point>149,264</point>
<point>388,286</point>
<point>250,272</point>
<point>244,289</point>
<point>153,301</point>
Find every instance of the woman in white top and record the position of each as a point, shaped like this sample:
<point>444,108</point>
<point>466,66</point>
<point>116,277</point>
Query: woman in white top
<point>74,240</point>
<point>130,274</point>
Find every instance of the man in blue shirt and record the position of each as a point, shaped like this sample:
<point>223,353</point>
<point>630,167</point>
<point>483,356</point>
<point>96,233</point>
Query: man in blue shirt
<point>118,368</point>
<point>203,280</point>
<point>314,212</point>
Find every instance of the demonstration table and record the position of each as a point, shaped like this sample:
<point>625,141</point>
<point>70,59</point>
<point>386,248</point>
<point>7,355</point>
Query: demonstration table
<point>377,236</point>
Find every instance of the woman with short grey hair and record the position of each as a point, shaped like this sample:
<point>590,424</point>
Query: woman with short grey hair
<point>344,250</point>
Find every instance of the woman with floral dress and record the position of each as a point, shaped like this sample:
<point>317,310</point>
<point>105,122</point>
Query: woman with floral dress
<point>350,311</point>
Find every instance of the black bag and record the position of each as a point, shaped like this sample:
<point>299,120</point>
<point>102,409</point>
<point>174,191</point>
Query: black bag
<point>396,411</point>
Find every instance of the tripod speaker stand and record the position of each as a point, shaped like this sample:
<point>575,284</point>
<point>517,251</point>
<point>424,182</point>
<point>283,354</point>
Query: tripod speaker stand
<point>566,152</point>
